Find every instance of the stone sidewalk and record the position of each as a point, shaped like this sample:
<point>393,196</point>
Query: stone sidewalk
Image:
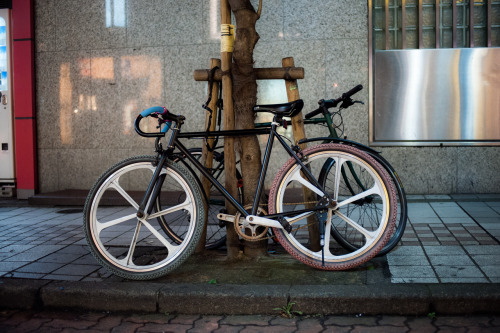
<point>450,249</point>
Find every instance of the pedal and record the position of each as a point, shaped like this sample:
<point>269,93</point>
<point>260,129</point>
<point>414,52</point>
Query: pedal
<point>284,223</point>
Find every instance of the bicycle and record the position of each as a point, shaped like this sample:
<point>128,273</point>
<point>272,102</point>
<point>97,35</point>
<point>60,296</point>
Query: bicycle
<point>130,242</point>
<point>216,234</point>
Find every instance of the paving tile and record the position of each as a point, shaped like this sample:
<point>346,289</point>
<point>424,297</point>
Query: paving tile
<point>437,197</point>
<point>486,259</point>
<point>414,280</point>
<point>412,271</point>
<point>424,220</point>
<point>464,280</point>
<point>491,270</point>
<point>57,257</point>
<point>408,251</point>
<point>76,249</point>
<point>62,277</point>
<point>461,220</point>
<point>458,272</point>
<point>483,249</point>
<point>450,260</point>
<point>444,250</point>
<point>79,270</point>
<point>38,267</point>
<point>14,249</point>
<point>419,209</point>
<point>407,260</point>
<point>7,266</point>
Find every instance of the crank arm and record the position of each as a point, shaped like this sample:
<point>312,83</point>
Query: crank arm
<point>254,219</point>
<point>226,217</point>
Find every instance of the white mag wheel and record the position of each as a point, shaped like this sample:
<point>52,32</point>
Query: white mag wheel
<point>138,248</point>
<point>287,194</point>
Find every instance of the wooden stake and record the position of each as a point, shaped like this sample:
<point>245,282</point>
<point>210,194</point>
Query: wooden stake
<point>276,73</point>
<point>292,92</point>
<point>207,155</point>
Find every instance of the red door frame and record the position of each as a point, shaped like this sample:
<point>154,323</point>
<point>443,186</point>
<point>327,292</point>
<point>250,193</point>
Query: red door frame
<point>23,82</point>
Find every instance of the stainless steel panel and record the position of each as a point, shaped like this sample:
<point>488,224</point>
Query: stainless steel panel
<point>437,96</point>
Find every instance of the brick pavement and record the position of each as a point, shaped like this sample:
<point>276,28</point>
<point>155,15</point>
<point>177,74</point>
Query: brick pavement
<point>58,321</point>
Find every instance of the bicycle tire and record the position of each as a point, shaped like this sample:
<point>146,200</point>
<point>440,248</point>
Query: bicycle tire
<point>402,207</point>
<point>284,191</point>
<point>135,248</point>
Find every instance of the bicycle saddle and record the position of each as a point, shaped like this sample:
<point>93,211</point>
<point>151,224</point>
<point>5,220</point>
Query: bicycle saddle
<point>290,109</point>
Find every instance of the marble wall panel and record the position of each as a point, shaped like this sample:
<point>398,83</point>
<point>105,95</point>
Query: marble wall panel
<point>305,19</point>
<point>63,87</point>
<point>124,82</point>
<point>48,170</point>
<point>164,22</point>
<point>346,67</point>
<point>478,170</point>
<point>184,95</point>
<point>80,168</point>
<point>45,25</point>
<point>427,170</point>
<point>346,19</point>
<point>83,25</point>
<point>270,24</point>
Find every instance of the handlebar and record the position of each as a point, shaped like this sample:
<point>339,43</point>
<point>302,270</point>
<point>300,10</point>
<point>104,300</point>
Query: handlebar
<point>345,99</point>
<point>164,117</point>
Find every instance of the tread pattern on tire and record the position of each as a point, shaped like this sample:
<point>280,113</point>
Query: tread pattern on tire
<point>188,250</point>
<point>364,257</point>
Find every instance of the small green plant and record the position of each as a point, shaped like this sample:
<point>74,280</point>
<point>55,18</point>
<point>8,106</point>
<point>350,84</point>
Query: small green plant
<point>287,312</point>
<point>431,315</point>
<point>213,281</point>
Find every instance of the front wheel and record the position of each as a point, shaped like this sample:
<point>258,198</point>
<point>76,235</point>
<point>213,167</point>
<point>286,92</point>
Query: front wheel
<point>136,248</point>
<point>303,242</point>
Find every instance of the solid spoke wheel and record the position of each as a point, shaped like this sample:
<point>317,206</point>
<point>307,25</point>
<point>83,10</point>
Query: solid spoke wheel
<point>287,194</point>
<point>137,248</point>
<point>354,182</point>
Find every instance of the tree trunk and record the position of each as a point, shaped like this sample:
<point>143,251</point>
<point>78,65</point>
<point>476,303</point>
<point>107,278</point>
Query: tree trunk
<point>245,97</point>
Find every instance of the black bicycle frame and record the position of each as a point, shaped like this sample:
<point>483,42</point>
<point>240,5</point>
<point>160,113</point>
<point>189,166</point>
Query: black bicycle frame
<point>174,142</point>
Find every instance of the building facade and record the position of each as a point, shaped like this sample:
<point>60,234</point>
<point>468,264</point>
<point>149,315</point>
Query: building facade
<point>98,63</point>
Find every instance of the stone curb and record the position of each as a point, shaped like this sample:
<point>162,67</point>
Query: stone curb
<point>147,297</point>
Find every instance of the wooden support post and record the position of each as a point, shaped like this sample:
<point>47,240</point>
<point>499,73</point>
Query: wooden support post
<point>207,155</point>
<point>229,156</point>
<point>292,92</point>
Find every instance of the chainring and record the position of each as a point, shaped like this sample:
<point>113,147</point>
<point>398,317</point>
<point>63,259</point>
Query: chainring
<point>255,232</point>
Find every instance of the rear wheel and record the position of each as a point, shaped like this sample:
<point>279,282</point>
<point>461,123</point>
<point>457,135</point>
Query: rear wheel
<point>355,182</point>
<point>287,194</point>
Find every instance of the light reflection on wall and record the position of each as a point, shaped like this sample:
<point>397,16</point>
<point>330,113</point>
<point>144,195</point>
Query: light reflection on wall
<point>65,104</point>
<point>139,69</point>
<point>138,82</point>
<point>214,14</point>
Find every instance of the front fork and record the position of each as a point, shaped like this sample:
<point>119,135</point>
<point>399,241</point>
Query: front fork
<point>153,189</point>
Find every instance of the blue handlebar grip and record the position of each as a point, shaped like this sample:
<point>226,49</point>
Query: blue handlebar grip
<point>154,109</point>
